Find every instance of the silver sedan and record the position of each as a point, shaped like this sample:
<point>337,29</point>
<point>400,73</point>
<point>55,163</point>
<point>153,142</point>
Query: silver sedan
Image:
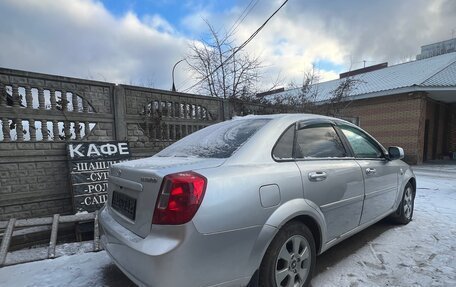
<point>251,201</point>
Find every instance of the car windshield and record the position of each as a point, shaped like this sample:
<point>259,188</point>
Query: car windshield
<point>216,141</point>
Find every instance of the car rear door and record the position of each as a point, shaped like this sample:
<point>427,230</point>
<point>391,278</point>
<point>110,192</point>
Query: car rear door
<point>331,178</point>
<point>380,175</point>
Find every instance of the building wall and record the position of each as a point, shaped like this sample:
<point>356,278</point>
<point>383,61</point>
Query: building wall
<point>451,136</point>
<point>436,49</point>
<point>396,120</point>
<point>430,121</point>
<point>436,115</point>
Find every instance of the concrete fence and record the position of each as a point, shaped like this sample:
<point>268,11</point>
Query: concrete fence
<point>40,114</point>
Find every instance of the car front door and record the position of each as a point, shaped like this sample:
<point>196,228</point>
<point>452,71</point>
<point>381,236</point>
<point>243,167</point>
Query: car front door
<point>380,175</point>
<point>331,178</point>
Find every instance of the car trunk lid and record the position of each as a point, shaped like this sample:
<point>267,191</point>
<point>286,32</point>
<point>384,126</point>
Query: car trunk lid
<point>134,187</point>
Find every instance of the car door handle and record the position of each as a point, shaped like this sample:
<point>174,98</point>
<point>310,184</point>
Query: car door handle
<point>317,176</point>
<point>370,171</point>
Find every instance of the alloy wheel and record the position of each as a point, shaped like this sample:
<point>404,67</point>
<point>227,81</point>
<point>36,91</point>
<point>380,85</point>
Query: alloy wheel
<point>408,202</point>
<point>293,262</point>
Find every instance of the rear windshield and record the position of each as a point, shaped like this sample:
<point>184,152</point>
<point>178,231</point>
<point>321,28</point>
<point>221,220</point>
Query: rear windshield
<point>216,141</point>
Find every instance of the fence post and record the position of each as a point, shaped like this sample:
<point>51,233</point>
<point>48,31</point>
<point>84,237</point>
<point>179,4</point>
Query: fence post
<point>226,108</point>
<point>96,232</point>
<point>119,105</point>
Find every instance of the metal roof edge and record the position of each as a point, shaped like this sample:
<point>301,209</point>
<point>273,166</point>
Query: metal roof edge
<point>440,70</point>
<point>437,89</point>
<point>399,91</point>
<point>380,94</point>
<point>388,92</point>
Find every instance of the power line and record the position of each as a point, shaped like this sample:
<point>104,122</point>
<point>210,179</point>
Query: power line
<point>231,30</point>
<point>242,17</point>
<point>238,48</point>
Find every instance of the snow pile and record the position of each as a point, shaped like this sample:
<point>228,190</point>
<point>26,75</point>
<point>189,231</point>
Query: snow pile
<point>40,252</point>
<point>89,269</point>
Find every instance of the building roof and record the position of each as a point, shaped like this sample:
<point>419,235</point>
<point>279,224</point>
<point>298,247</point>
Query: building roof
<point>435,72</point>
<point>438,48</point>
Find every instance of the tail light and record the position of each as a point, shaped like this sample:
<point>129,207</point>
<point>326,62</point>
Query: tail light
<point>180,197</point>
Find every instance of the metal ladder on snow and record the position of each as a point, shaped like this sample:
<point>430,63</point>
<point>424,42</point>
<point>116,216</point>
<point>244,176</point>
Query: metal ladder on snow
<point>31,227</point>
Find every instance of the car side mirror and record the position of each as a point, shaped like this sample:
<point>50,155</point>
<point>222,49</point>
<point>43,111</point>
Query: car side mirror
<point>395,152</point>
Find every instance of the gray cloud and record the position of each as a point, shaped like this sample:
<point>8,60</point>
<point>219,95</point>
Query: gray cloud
<point>386,30</point>
<point>82,39</point>
<point>339,31</point>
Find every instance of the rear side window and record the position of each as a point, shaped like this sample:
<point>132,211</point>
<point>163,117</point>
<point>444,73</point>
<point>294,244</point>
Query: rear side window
<point>284,147</point>
<point>216,141</point>
<point>318,141</point>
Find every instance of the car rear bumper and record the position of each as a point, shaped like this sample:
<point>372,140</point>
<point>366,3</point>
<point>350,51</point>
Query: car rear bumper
<point>179,255</point>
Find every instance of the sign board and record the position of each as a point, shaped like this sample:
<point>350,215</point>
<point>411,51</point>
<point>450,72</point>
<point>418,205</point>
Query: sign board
<point>89,169</point>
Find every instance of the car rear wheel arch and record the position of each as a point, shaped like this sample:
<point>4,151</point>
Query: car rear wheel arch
<point>313,227</point>
<point>295,210</point>
<point>306,220</point>
<point>304,212</point>
<point>298,227</point>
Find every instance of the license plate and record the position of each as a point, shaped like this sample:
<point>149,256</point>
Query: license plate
<point>124,204</point>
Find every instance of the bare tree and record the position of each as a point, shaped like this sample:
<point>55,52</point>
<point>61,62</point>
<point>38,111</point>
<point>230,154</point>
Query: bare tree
<point>307,97</point>
<point>309,90</point>
<point>303,97</point>
<point>220,74</point>
<point>341,96</point>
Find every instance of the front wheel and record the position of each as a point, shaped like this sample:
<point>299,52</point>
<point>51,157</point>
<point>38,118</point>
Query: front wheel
<point>404,212</point>
<point>290,259</point>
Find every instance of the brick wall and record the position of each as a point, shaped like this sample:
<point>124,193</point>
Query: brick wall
<point>395,120</point>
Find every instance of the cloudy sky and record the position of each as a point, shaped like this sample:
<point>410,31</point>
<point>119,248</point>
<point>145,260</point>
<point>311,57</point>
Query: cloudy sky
<point>137,42</point>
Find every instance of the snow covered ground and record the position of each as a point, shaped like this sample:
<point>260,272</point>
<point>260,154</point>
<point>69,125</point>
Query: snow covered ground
<point>421,253</point>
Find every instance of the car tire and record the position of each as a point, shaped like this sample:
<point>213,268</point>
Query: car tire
<point>404,212</point>
<point>290,256</point>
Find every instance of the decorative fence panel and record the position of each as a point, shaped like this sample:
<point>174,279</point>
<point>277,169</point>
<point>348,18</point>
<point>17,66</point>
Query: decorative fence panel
<point>40,114</point>
<point>156,118</point>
